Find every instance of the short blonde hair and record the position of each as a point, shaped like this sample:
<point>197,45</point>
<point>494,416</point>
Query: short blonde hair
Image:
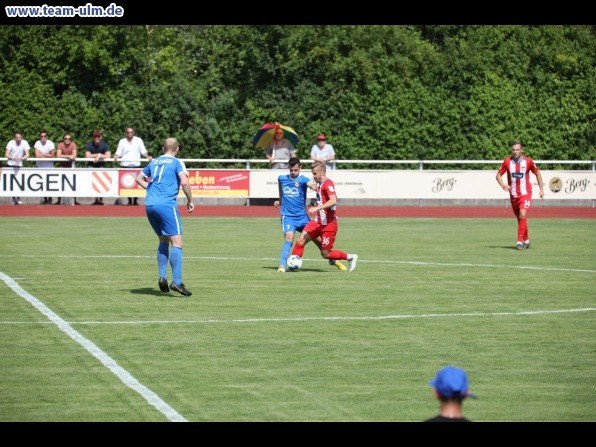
<point>319,165</point>
<point>170,144</point>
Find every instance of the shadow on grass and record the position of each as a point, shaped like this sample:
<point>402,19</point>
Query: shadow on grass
<point>505,247</point>
<point>297,271</point>
<point>152,292</point>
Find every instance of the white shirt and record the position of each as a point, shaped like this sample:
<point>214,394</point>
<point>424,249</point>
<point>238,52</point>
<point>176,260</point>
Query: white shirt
<point>17,150</point>
<point>131,150</point>
<point>327,151</point>
<point>45,149</point>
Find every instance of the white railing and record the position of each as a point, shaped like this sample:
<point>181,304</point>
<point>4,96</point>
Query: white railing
<point>249,163</point>
<point>246,186</point>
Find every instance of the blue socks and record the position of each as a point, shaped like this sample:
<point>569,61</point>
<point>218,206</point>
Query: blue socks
<point>162,259</point>
<point>285,253</point>
<point>176,263</point>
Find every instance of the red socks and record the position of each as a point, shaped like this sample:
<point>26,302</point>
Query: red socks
<point>522,230</point>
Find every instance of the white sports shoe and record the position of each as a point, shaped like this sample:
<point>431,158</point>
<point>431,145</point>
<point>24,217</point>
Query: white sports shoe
<point>527,244</point>
<point>353,263</point>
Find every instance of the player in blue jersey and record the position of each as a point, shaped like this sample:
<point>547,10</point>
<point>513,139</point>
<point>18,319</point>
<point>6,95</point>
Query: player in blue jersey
<point>292,206</point>
<point>162,178</point>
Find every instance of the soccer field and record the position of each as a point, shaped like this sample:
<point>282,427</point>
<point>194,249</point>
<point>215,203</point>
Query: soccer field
<point>87,335</point>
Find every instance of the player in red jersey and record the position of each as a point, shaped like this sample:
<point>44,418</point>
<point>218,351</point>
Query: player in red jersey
<point>324,222</point>
<point>518,168</point>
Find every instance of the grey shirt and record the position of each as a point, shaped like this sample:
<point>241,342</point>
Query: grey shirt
<point>283,151</point>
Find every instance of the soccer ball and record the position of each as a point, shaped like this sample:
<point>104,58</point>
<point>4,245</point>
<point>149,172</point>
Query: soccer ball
<point>294,262</point>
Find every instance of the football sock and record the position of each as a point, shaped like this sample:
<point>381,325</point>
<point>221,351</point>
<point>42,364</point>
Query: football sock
<point>162,259</point>
<point>176,263</point>
<point>337,255</point>
<point>298,250</point>
<point>285,252</point>
<point>522,230</point>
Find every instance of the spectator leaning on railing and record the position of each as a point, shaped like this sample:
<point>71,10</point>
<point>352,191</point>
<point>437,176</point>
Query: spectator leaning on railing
<point>17,151</point>
<point>45,149</point>
<point>280,148</point>
<point>323,151</point>
<point>98,150</point>
<point>67,148</point>
<point>130,150</point>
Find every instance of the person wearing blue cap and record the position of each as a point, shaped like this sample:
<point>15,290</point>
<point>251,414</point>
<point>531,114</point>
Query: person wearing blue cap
<point>450,388</point>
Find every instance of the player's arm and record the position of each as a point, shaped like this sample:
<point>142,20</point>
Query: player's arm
<point>277,203</point>
<point>142,180</point>
<point>187,191</point>
<point>540,182</point>
<point>331,201</point>
<point>503,186</point>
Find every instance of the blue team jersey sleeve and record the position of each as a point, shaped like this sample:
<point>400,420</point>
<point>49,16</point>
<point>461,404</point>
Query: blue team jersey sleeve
<point>147,169</point>
<point>304,180</point>
<point>181,167</point>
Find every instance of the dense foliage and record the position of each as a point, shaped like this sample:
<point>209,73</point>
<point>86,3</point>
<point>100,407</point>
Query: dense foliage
<point>378,92</point>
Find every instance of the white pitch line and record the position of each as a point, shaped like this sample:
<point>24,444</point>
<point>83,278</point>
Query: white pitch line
<point>298,319</point>
<point>360,261</point>
<point>106,360</point>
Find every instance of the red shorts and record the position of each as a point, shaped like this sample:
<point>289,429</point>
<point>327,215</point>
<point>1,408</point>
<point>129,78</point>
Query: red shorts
<point>521,203</point>
<point>327,232</point>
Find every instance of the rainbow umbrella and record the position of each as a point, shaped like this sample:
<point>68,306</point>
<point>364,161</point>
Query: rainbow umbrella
<point>266,132</point>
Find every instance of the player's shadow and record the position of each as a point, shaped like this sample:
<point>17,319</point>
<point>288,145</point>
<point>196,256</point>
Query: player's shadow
<point>152,292</point>
<point>503,247</point>
<point>303,269</point>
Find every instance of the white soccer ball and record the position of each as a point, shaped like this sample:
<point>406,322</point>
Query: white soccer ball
<point>294,262</point>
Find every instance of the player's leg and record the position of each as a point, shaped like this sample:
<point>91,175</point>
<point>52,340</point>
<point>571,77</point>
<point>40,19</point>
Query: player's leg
<point>163,248</point>
<point>525,204</point>
<point>172,227</point>
<point>163,259</point>
<point>309,233</point>
<point>288,228</point>
<point>327,242</point>
<point>333,262</point>
<point>176,260</point>
<point>163,256</point>
<point>516,210</point>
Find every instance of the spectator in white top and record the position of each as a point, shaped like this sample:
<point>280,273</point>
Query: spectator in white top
<point>45,148</point>
<point>130,150</point>
<point>17,151</point>
<point>323,152</point>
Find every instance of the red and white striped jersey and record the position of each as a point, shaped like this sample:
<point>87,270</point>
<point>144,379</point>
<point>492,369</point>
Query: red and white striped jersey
<point>324,191</point>
<point>518,175</point>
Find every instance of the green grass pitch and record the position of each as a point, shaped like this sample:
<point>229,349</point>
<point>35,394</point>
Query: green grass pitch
<point>87,335</point>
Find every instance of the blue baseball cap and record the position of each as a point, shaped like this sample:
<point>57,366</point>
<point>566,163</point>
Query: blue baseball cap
<point>452,382</point>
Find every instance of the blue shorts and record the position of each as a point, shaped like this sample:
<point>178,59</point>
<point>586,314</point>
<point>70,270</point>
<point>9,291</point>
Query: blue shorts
<point>293,224</point>
<point>165,220</point>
